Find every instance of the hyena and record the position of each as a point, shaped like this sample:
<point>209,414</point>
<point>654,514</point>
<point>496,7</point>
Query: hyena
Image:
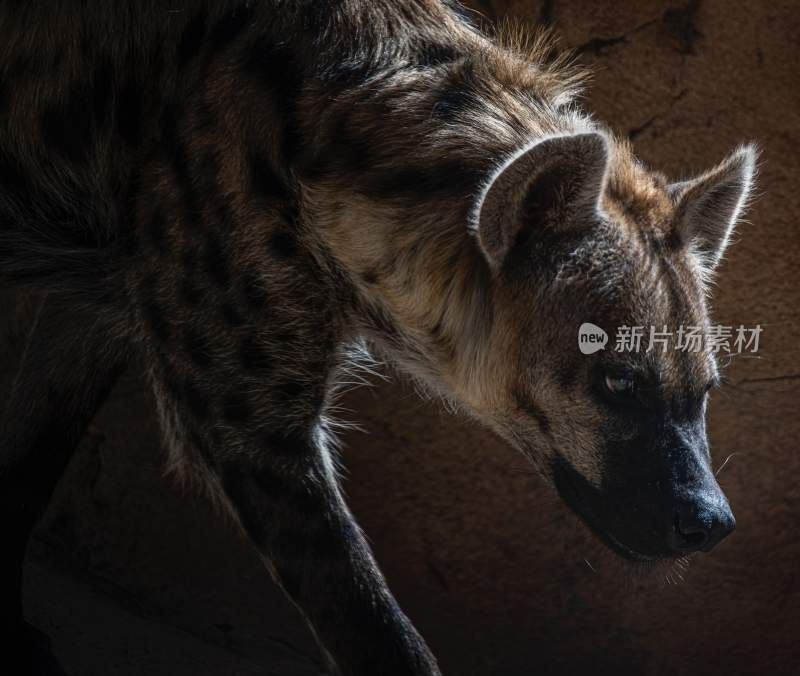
<point>231,193</point>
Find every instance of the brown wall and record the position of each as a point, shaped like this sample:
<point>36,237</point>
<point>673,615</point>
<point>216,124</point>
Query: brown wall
<point>489,565</point>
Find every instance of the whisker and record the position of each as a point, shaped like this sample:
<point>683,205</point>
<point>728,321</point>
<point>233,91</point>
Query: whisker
<point>722,466</point>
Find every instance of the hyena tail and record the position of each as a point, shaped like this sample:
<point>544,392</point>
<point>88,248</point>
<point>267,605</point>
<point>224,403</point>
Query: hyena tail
<point>56,241</point>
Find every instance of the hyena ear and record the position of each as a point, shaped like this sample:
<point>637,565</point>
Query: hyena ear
<point>707,207</point>
<point>558,180</point>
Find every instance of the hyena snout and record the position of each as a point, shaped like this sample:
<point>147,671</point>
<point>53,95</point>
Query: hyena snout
<point>661,503</point>
<point>688,504</point>
<point>701,520</point>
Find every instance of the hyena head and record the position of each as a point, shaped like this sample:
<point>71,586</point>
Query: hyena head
<point>574,230</point>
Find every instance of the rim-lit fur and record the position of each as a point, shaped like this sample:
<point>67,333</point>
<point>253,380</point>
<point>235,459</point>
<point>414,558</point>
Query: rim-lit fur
<point>237,191</point>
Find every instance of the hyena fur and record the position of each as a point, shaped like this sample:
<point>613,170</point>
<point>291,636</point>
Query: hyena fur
<point>230,193</point>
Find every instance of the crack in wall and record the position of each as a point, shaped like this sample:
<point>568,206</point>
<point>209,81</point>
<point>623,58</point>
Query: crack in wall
<point>678,23</point>
<point>657,117</point>
<point>769,379</point>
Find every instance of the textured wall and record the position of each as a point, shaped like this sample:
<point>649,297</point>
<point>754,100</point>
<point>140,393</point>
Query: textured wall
<point>494,571</point>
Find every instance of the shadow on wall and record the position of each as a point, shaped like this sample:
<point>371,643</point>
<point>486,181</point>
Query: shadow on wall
<point>495,573</point>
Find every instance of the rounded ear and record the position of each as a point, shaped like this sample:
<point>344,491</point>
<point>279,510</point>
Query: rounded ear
<point>708,207</point>
<point>556,181</point>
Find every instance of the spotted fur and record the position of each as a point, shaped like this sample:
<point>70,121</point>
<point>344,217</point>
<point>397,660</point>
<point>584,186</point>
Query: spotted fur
<point>234,192</point>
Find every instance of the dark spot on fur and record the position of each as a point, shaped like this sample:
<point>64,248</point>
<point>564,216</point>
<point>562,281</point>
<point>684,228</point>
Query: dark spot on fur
<point>192,291</point>
<point>129,113</point>
<point>69,129</point>
<point>287,336</point>
<point>441,338</point>
<point>371,276</point>
<point>14,181</point>
<point>254,355</point>
<point>276,68</point>
<point>131,203</point>
<point>208,169</point>
<point>201,445</point>
<point>264,181</point>
<point>153,314</point>
<point>292,389</point>
<point>230,27</point>
<point>195,399</point>
<point>198,348</point>
<point>291,140</point>
<point>192,39</point>
<point>231,314</point>
<point>156,227</point>
<point>202,195</point>
<point>253,291</point>
<point>101,92</point>
<point>349,151</point>
<point>171,141</point>
<point>273,65</point>
<point>216,259</point>
<point>452,102</point>
<point>189,259</point>
<point>205,119</point>
<point>432,55</point>
<point>170,379</point>
<point>236,408</point>
<point>220,210</point>
<point>128,241</point>
<point>283,244</point>
<point>448,178</point>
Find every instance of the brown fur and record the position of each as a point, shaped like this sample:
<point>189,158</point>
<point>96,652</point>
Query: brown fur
<point>241,190</point>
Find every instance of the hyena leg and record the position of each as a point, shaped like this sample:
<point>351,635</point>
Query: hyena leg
<point>65,373</point>
<point>281,488</point>
<point>288,502</point>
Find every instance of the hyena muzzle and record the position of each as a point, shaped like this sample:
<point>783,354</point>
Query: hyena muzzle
<point>232,194</point>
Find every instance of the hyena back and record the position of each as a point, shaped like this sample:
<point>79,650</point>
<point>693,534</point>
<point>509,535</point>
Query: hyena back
<point>234,192</point>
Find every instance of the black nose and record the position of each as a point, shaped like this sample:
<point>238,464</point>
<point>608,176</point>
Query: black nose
<point>700,525</point>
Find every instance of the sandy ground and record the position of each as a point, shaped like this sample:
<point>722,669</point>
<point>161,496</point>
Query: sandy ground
<point>98,631</point>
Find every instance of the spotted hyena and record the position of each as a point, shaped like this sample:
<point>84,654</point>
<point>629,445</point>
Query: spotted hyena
<point>232,193</point>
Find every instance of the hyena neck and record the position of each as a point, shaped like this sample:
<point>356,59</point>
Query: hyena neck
<point>400,155</point>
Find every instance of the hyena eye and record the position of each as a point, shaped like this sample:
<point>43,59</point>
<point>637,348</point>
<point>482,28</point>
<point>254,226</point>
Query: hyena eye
<point>620,387</point>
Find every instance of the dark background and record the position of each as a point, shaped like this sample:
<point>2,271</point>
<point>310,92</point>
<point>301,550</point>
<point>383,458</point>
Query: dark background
<point>493,570</point>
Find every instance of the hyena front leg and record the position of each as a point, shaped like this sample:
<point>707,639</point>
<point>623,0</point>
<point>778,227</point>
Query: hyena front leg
<point>289,504</point>
<point>66,371</point>
<point>276,477</point>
